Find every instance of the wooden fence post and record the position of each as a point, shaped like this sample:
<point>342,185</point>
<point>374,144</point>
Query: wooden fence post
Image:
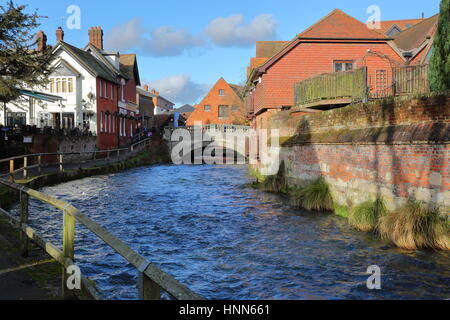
<point>24,220</point>
<point>68,252</point>
<point>39,164</point>
<point>11,170</point>
<point>61,161</point>
<point>25,167</point>
<point>148,289</point>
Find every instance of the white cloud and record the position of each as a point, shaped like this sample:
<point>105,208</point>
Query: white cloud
<point>168,41</point>
<point>125,36</point>
<point>231,31</point>
<point>165,41</point>
<point>180,89</point>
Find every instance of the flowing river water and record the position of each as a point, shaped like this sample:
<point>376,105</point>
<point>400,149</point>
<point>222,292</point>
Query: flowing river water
<point>200,224</point>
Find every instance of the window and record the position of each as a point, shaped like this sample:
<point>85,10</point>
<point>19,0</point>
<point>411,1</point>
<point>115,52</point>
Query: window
<point>101,121</point>
<point>340,66</point>
<point>105,89</point>
<point>207,108</point>
<point>235,108</point>
<point>70,85</point>
<point>64,85</point>
<point>120,126</point>
<point>101,88</point>
<point>61,85</point>
<point>58,85</point>
<point>223,112</point>
<point>221,93</point>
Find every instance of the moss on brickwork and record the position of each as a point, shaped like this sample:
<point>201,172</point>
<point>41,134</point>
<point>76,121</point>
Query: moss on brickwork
<point>401,119</point>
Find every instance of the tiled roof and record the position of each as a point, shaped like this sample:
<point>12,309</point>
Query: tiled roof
<point>239,90</point>
<point>267,49</point>
<point>339,25</point>
<point>386,26</point>
<point>414,37</point>
<point>185,109</point>
<point>128,65</point>
<point>91,63</point>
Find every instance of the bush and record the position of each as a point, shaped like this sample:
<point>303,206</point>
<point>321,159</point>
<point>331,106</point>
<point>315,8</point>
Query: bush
<point>366,216</point>
<point>314,197</point>
<point>416,227</point>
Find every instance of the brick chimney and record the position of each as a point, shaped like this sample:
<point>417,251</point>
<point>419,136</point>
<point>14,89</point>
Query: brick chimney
<point>59,34</point>
<point>96,37</point>
<point>41,41</point>
<point>146,87</point>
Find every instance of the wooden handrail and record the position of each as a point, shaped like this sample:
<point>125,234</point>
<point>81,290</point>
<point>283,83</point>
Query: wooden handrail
<point>152,279</point>
<point>73,153</point>
<point>60,156</point>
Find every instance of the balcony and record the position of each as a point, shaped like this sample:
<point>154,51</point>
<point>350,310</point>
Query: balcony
<point>326,90</point>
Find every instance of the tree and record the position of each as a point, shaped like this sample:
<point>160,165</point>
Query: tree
<point>21,64</point>
<point>440,59</point>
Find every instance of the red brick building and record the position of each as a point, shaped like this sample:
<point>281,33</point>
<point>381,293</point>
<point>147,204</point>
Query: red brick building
<point>337,43</point>
<point>129,113</point>
<point>223,105</point>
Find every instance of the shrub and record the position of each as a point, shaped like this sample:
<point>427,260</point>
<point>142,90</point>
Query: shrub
<point>416,227</point>
<point>314,197</point>
<point>365,217</point>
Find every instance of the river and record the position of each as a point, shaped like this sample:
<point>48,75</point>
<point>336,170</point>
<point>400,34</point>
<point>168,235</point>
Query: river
<point>199,224</point>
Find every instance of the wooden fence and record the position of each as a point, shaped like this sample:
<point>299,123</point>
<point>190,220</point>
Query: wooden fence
<point>411,80</point>
<point>345,86</point>
<point>351,87</point>
<point>152,280</point>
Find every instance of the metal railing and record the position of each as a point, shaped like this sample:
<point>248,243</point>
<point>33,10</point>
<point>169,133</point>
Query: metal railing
<point>152,280</point>
<point>35,161</point>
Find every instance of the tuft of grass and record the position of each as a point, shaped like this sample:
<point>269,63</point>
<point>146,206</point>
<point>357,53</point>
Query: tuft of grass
<point>341,211</point>
<point>366,216</point>
<point>416,227</point>
<point>314,197</point>
<point>275,183</point>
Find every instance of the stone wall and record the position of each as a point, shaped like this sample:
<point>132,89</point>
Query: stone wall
<point>398,149</point>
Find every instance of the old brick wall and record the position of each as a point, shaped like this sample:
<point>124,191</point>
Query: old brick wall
<point>398,149</point>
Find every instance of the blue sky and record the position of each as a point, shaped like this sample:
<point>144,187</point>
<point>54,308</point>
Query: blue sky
<point>186,46</point>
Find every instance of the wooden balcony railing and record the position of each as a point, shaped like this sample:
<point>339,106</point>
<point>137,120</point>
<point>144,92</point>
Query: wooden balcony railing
<point>332,88</point>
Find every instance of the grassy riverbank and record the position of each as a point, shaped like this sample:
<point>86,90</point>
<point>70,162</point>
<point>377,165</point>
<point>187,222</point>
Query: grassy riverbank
<point>416,226</point>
